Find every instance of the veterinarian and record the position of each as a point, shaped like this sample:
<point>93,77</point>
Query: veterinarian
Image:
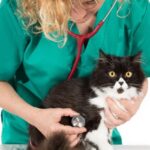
<point>37,53</point>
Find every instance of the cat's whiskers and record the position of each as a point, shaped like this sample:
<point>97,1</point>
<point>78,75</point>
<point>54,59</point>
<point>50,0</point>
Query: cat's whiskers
<point>106,85</point>
<point>103,60</point>
<point>134,84</point>
<point>140,62</point>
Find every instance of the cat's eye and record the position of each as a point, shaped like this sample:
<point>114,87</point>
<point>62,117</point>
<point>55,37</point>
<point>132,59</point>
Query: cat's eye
<point>112,74</point>
<point>128,74</point>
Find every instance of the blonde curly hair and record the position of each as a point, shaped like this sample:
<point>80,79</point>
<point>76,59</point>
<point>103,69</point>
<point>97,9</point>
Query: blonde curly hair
<point>47,16</point>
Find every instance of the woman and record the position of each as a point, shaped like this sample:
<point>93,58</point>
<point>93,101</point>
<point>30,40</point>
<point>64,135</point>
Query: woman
<point>32,63</point>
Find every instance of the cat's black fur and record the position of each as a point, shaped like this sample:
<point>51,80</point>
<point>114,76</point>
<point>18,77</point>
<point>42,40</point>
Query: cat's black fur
<point>76,93</point>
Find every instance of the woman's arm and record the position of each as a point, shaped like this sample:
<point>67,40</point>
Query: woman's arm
<point>116,116</point>
<point>12,102</point>
<point>46,120</point>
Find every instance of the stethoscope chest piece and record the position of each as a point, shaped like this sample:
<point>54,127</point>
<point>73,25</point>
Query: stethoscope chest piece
<point>78,121</point>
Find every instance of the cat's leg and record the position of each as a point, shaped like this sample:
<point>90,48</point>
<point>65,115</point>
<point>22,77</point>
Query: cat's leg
<point>105,137</point>
<point>100,137</point>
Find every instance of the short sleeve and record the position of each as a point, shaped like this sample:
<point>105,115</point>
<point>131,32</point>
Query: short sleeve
<point>141,39</point>
<point>12,41</point>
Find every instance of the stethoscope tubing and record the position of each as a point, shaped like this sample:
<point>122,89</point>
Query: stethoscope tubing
<point>82,37</point>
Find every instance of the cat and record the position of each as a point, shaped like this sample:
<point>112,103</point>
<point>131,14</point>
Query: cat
<point>116,77</point>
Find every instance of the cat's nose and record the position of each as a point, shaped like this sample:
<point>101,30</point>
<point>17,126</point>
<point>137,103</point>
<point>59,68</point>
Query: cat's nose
<point>121,83</point>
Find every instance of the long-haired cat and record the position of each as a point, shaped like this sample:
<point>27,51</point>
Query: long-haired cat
<point>116,77</point>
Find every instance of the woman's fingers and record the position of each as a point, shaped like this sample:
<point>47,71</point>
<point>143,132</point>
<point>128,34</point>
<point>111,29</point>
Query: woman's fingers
<point>131,105</point>
<point>75,142</point>
<point>57,127</point>
<point>117,111</point>
<point>67,112</point>
<point>73,139</point>
<point>110,120</point>
<point>69,129</point>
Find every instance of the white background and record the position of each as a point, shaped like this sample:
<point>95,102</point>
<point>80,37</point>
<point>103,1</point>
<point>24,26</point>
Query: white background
<point>137,130</point>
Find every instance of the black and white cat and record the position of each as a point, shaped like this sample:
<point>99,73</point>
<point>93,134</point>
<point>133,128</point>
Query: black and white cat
<point>116,77</point>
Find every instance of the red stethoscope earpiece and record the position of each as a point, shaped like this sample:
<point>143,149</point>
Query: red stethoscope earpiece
<point>81,39</point>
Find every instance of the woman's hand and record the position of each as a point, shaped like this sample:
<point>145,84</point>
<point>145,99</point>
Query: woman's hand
<point>47,122</point>
<point>118,112</point>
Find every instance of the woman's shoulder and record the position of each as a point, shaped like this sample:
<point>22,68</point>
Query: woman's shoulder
<point>132,12</point>
<point>139,9</point>
<point>8,8</point>
<point>132,8</point>
<point>8,3</point>
<point>135,7</point>
<point>2,2</point>
<point>141,2</point>
<point>11,21</point>
<point>139,5</point>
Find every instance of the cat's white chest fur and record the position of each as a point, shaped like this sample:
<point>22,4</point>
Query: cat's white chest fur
<point>101,136</point>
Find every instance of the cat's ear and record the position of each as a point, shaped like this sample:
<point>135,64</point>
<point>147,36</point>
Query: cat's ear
<point>103,56</point>
<point>137,58</point>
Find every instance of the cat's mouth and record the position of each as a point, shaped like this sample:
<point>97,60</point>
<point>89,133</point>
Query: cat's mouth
<point>120,90</point>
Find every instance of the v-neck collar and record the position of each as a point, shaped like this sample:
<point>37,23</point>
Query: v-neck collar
<point>99,16</point>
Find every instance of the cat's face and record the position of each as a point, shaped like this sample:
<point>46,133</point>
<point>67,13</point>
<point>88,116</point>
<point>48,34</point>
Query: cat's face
<point>118,75</point>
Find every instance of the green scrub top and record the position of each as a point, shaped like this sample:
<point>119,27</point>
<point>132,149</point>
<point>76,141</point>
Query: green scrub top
<point>33,64</point>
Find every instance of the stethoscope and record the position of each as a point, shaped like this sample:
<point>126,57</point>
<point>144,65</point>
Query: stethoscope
<point>81,39</point>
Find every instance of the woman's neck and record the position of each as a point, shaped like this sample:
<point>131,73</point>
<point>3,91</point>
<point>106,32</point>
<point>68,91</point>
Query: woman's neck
<point>86,26</point>
<point>80,14</point>
<point>85,18</point>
